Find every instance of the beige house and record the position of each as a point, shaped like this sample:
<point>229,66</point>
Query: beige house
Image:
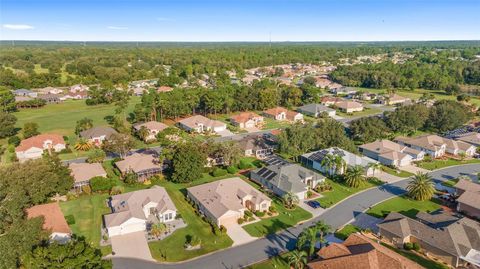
<point>247,120</point>
<point>201,124</point>
<point>453,240</point>
<point>225,201</point>
<point>391,153</point>
<point>33,147</point>
<point>142,164</point>
<point>97,135</point>
<point>393,99</point>
<point>83,172</point>
<point>470,138</point>
<point>153,127</point>
<point>437,146</point>
<point>349,106</point>
<point>281,114</point>
<point>468,200</point>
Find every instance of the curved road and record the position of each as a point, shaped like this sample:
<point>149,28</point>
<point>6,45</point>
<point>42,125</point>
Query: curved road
<point>264,248</point>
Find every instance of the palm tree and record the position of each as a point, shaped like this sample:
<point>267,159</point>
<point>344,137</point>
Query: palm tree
<point>421,187</point>
<point>375,166</point>
<point>328,162</point>
<point>290,200</point>
<point>297,259</point>
<point>157,229</point>
<point>355,176</point>
<point>340,164</point>
<point>323,229</point>
<point>83,145</point>
<point>143,133</point>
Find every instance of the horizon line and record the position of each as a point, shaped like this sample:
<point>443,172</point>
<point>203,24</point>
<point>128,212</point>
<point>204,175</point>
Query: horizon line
<point>237,41</point>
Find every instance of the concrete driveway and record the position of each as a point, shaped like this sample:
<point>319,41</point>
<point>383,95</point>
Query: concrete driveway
<point>414,169</point>
<point>132,245</point>
<point>314,211</point>
<point>239,235</point>
<point>225,133</point>
<point>386,177</point>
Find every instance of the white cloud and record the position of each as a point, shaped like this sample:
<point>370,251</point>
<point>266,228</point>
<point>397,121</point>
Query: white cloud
<point>18,26</point>
<point>117,27</point>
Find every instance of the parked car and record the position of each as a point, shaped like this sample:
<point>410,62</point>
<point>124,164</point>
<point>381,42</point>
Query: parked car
<point>313,204</point>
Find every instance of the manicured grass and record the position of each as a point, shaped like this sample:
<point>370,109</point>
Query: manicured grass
<point>427,263</point>
<point>450,183</point>
<point>340,192</point>
<point>61,118</point>
<point>401,173</point>
<point>364,112</point>
<point>437,164</point>
<point>277,262</point>
<point>346,231</point>
<point>274,124</point>
<point>252,161</point>
<point>87,211</point>
<point>403,205</point>
<point>172,248</point>
<point>284,219</point>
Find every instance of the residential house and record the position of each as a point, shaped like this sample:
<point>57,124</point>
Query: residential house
<point>390,153</point>
<point>285,178</point>
<point>257,146</point>
<point>201,124</point>
<point>281,114</point>
<point>330,100</point>
<point>138,91</point>
<point>53,221</point>
<point>144,165</point>
<point>455,241</point>
<point>75,96</point>
<point>78,88</point>
<point>437,146</point>
<point>164,89</point>
<point>316,110</point>
<point>360,252</point>
<point>50,90</point>
<point>341,90</point>
<point>83,172</point>
<point>132,211</point>
<point>25,93</point>
<point>247,120</point>
<point>33,147</point>
<point>315,161</point>
<point>225,201</point>
<point>392,99</point>
<point>97,135</point>
<point>472,138</point>
<point>468,200</point>
<point>50,98</point>
<point>153,127</point>
<point>349,106</point>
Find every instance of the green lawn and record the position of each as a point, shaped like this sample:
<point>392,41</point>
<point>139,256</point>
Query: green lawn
<point>284,219</point>
<point>88,211</point>
<point>274,124</point>
<point>277,262</point>
<point>450,183</point>
<point>172,248</point>
<point>396,172</point>
<point>346,231</point>
<point>340,192</point>
<point>403,205</point>
<point>365,112</point>
<point>61,118</point>
<point>427,263</point>
<point>437,164</point>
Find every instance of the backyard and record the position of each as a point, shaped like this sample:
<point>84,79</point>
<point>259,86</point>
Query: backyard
<point>404,205</point>
<point>341,191</point>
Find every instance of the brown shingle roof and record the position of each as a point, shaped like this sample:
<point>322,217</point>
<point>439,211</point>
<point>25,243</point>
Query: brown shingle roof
<point>244,117</point>
<point>348,104</point>
<point>85,171</point>
<point>38,140</point>
<point>53,217</point>
<point>151,125</point>
<point>194,121</point>
<point>98,131</point>
<point>138,162</point>
<point>275,111</point>
<point>360,252</point>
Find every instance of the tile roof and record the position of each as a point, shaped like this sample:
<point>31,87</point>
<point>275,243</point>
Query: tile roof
<point>138,162</point>
<point>315,108</point>
<point>434,142</point>
<point>348,104</point>
<point>194,121</point>
<point>85,171</point>
<point>275,111</point>
<point>244,117</point>
<point>221,196</point>
<point>98,131</point>
<point>38,141</point>
<point>53,217</point>
<point>151,125</point>
<point>360,252</point>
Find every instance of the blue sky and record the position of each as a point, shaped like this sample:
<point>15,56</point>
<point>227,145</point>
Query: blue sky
<point>239,20</point>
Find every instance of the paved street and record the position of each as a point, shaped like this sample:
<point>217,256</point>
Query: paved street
<point>261,249</point>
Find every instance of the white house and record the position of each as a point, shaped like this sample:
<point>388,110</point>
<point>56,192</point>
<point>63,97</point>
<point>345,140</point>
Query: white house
<point>33,147</point>
<point>153,128</point>
<point>437,146</point>
<point>132,211</point>
<point>391,153</point>
<point>201,124</point>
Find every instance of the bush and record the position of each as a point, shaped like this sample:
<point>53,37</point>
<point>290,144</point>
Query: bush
<point>86,189</point>
<point>408,246</point>
<point>96,156</point>
<point>70,219</point>
<point>416,246</point>
<point>218,172</point>
<point>240,220</point>
<point>232,170</point>
<point>248,213</point>
<point>272,209</point>
<point>223,229</point>
<point>117,190</point>
<point>324,186</point>
<point>259,214</point>
<point>14,140</point>
<point>244,164</point>
<point>193,240</point>
<point>130,178</point>
<point>101,184</point>
<point>65,151</point>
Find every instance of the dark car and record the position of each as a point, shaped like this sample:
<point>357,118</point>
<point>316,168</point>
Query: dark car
<point>313,204</point>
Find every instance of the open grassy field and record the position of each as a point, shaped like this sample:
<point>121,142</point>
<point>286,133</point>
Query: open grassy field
<point>340,192</point>
<point>61,118</point>
<point>403,205</point>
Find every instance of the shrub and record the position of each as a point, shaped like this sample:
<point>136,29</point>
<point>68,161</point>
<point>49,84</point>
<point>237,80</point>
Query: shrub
<point>96,156</point>
<point>259,214</point>
<point>193,240</point>
<point>130,178</point>
<point>223,229</point>
<point>244,164</point>
<point>101,184</point>
<point>232,169</point>
<point>408,246</point>
<point>65,151</point>
<point>14,140</point>
<point>70,219</point>
<point>117,190</point>
<point>218,172</point>
<point>248,213</point>
<point>272,209</point>
<point>324,186</point>
<point>240,220</point>
<point>416,246</point>
<point>86,189</point>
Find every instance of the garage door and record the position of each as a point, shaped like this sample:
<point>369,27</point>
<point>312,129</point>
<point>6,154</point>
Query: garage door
<point>228,221</point>
<point>131,228</point>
